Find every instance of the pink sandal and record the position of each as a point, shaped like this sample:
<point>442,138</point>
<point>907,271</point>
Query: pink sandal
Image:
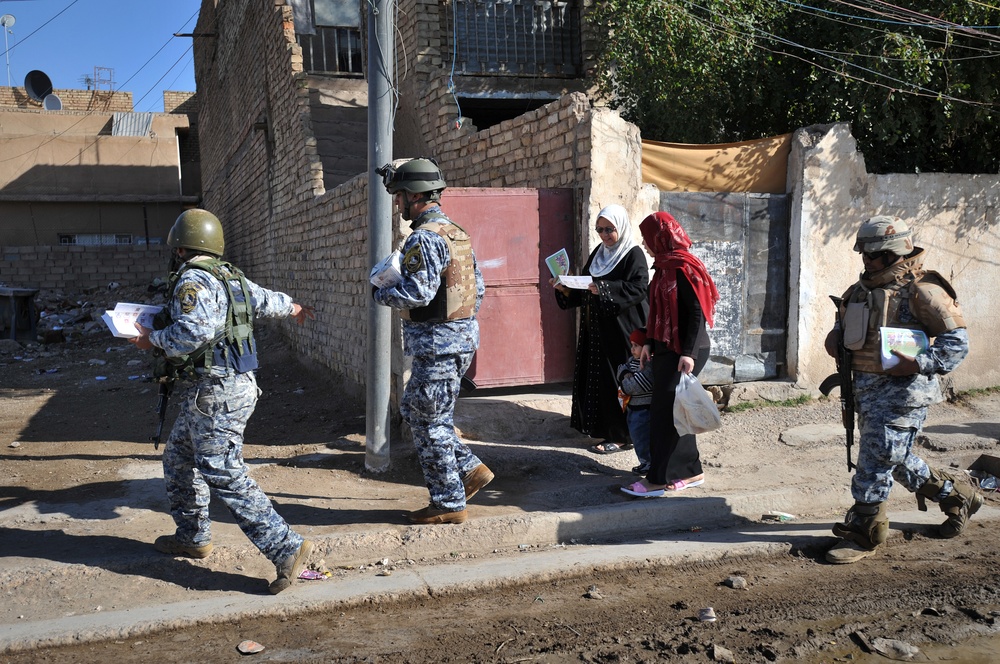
<point>638,490</point>
<point>680,485</point>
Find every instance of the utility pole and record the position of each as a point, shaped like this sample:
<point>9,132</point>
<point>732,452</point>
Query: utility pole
<point>381,48</point>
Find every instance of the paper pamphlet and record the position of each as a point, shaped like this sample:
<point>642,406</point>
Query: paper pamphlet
<point>580,283</point>
<point>908,342</point>
<point>558,263</point>
<point>386,274</point>
<point>122,319</point>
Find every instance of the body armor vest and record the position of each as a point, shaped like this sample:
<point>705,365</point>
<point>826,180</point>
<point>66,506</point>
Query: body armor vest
<point>456,296</point>
<point>877,302</point>
<point>233,347</point>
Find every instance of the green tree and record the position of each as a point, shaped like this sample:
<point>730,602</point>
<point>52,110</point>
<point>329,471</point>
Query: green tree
<point>921,91</point>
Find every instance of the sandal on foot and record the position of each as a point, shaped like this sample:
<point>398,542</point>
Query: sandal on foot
<point>639,490</point>
<point>680,485</point>
<point>607,447</point>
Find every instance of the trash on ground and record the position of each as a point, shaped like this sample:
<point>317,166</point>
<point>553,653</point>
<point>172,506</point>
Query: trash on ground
<point>593,593</point>
<point>778,516</point>
<point>15,444</point>
<point>707,614</point>
<point>313,575</point>
<point>894,649</point>
<point>249,647</point>
<point>984,472</point>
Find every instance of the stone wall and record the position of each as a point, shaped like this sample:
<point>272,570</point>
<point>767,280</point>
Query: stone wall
<point>81,268</point>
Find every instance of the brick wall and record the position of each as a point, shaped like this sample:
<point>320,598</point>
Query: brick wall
<point>80,268</point>
<point>72,100</point>
<point>179,102</point>
<point>263,177</point>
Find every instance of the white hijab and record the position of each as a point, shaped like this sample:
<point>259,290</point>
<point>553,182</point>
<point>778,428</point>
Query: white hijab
<point>606,258</point>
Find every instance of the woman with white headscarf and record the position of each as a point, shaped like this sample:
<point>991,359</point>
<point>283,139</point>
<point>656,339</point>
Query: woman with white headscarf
<point>610,310</point>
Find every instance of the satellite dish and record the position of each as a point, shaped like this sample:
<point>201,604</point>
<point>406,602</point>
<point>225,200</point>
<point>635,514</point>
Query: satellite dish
<point>6,20</point>
<point>52,103</point>
<point>37,85</point>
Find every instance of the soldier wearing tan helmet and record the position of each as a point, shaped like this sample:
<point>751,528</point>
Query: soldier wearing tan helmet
<point>892,393</point>
<point>207,354</point>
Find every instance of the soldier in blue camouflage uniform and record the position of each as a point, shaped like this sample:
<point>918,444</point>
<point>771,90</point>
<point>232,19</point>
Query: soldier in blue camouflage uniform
<point>896,291</point>
<point>438,298</point>
<point>207,342</point>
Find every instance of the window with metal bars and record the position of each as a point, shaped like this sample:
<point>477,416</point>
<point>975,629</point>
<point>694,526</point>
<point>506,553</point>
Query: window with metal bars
<point>513,37</point>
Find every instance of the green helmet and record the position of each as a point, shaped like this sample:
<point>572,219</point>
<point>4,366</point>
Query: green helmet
<point>415,176</point>
<point>884,233</point>
<point>199,230</point>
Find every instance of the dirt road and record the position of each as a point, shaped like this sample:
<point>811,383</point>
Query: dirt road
<point>942,597</point>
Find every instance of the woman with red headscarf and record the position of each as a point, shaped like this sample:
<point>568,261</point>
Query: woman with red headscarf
<point>682,298</point>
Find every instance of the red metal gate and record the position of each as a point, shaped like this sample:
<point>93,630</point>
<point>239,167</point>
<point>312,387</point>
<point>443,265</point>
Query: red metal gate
<point>525,338</point>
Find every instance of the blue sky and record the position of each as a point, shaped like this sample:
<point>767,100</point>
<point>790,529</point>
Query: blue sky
<point>66,39</point>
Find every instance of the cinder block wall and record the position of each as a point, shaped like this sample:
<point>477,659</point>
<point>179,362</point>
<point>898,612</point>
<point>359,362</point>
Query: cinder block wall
<point>79,267</point>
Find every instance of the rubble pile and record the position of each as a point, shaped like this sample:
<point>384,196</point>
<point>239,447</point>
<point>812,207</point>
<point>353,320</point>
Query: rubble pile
<point>73,317</point>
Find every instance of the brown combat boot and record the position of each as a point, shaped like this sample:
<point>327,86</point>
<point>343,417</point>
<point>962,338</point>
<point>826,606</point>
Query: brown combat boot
<point>865,528</point>
<point>476,479</point>
<point>431,514</point>
<point>290,568</point>
<point>169,544</point>
<point>958,505</point>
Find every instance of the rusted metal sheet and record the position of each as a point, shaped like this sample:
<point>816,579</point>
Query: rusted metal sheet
<point>525,338</point>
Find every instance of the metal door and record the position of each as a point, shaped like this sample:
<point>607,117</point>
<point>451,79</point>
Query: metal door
<point>525,339</point>
<point>743,240</point>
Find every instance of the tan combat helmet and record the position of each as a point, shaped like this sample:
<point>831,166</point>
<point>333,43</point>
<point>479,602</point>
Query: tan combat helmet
<point>884,233</point>
<point>199,230</point>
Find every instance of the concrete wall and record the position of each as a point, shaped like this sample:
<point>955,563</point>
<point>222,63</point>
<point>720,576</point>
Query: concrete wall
<point>75,177</point>
<point>954,217</point>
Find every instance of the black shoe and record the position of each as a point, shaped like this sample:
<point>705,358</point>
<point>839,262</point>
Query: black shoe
<point>641,469</point>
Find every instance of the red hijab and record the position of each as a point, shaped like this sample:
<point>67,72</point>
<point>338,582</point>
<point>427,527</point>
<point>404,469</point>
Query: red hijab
<point>669,244</point>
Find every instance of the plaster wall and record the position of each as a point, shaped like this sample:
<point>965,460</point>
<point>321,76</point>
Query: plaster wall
<point>953,216</point>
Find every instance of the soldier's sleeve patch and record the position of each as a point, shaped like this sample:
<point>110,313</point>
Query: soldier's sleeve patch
<point>188,296</point>
<point>413,261</point>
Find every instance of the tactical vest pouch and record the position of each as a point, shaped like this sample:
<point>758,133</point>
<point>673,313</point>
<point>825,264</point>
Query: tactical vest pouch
<point>856,325</point>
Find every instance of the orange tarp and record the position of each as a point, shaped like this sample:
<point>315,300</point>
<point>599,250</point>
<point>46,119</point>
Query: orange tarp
<point>757,167</point>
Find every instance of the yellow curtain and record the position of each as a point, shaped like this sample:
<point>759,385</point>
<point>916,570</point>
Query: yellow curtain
<point>758,166</point>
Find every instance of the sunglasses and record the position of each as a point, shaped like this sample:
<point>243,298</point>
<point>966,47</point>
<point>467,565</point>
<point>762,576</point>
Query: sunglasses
<point>876,255</point>
<point>601,230</point>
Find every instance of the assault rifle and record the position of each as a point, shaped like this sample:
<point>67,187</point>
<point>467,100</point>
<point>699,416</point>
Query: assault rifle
<point>845,380</point>
<point>161,411</point>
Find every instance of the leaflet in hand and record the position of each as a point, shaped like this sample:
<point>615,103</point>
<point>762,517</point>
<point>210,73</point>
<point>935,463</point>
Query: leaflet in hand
<point>580,283</point>
<point>387,273</point>
<point>558,263</point>
<point>122,319</point>
<point>908,342</point>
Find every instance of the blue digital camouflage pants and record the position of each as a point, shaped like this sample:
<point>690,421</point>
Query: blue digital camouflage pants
<point>205,454</point>
<point>428,407</point>
<point>886,449</point>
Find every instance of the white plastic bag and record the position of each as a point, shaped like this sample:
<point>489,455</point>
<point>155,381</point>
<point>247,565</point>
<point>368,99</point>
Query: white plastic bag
<point>694,408</point>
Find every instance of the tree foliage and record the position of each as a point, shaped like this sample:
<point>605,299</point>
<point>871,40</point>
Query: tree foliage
<point>918,81</point>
